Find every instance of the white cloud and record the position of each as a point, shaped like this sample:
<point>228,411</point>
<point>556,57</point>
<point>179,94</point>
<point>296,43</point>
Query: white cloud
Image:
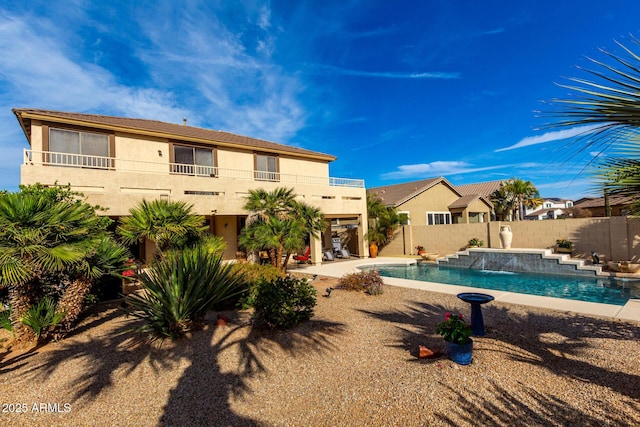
<point>388,74</point>
<point>550,136</point>
<point>434,169</point>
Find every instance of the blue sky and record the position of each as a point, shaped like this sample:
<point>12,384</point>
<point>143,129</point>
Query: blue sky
<point>398,91</point>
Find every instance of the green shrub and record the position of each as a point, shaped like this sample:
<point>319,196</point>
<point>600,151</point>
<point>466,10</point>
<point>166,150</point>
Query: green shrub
<point>5,319</point>
<point>284,302</point>
<point>42,316</point>
<point>179,289</point>
<point>253,275</point>
<point>368,281</point>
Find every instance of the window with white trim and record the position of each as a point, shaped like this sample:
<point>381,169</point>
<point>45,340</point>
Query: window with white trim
<point>193,161</point>
<point>435,218</point>
<point>266,168</point>
<point>81,149</point>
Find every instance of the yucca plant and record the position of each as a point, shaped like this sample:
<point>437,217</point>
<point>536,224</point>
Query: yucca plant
<point>179,289</point>
<point>42,316</point>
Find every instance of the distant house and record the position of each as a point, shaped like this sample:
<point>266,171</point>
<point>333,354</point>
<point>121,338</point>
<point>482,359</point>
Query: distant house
<point>434,201</point>
<point>620,206</point>
<point>117,162</point>
<point>550,208</point>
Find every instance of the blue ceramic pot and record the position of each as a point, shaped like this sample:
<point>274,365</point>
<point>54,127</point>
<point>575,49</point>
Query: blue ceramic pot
<point>461,354</point>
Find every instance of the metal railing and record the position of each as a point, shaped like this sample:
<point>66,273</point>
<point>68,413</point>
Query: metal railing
<point>32,157</point>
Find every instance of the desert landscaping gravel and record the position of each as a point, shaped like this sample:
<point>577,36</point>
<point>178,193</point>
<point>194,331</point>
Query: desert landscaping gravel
<point>354,364</point>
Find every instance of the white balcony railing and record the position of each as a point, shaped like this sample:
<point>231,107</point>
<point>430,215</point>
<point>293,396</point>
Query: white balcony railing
<point>32,157</point>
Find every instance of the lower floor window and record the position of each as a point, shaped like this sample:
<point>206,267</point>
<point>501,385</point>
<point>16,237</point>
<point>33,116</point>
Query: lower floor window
<point>435,218</point>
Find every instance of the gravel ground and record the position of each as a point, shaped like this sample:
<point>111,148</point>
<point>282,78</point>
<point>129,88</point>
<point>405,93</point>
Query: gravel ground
<point>353,364</point>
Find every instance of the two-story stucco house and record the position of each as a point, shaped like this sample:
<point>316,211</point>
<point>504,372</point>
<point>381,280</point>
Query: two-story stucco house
<point>550,208</point>
<point>116,162</point>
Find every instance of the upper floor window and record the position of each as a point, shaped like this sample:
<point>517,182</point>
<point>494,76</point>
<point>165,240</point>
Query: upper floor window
<point>79,148</point>
<point>569,204</point>
<point>435,218</point>
<point>266,168</point>
<point>193,161</point>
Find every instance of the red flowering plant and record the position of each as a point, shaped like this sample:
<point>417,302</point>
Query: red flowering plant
<point>454,329</point>
<point>129,272</point>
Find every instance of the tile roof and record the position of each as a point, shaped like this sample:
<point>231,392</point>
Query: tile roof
<point>465,201</point>
<point>483,188</point>
<point>596,202</point>
<point>168,130</point>
<point>396,194</point>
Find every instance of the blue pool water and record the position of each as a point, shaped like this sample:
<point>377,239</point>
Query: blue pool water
<point>602,290</point>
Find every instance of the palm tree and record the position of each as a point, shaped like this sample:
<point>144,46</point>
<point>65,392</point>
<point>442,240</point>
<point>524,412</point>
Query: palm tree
<point>170,225</point>
<point>279,224</point>
<point>51,243</point>
<point>383,220</point>
<point>524,194</point>
<point>611,106</point>
<point>503,204</point>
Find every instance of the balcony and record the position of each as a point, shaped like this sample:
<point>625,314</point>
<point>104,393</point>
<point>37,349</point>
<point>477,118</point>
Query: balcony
<point>53,159</point>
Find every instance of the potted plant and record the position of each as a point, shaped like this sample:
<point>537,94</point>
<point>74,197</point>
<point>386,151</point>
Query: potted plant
<point>420,249</point>
<point>475,243</point>
<point>564,246</point>
<point>457,334</point>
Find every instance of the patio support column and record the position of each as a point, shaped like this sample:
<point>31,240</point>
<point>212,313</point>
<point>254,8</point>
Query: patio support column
<point>316,250</point>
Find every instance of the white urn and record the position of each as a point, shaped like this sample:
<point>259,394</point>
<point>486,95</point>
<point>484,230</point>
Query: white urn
<point>505,236</point>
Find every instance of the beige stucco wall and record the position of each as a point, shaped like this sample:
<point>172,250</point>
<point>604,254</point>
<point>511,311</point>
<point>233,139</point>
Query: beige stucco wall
<point>134,180</point>
<point>616,238</point>
<point>435,199</point>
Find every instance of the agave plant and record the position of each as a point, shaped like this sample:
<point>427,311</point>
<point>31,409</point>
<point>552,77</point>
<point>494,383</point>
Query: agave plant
<point>180,289</point>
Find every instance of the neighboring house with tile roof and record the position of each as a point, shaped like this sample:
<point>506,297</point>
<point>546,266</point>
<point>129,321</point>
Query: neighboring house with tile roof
<point>434,201</point>
<point>116,162</point>
<point>620,206</point>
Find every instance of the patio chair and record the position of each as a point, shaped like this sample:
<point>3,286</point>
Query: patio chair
<point>304,258</point>
<point>328,256</point>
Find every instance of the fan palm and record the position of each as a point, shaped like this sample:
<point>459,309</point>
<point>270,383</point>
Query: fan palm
<point>168,224</point>
<point>611,106</point>
<point>279,224</point>
<point>47,240</point>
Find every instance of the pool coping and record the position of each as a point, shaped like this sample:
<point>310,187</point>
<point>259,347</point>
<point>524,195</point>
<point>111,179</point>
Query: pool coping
<point>629,311</point>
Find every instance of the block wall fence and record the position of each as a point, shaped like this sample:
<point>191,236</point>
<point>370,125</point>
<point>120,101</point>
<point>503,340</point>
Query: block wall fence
<point>617,238</point>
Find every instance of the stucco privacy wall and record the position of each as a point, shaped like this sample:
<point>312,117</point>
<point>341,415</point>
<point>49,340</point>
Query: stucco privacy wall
<point>617,238</point>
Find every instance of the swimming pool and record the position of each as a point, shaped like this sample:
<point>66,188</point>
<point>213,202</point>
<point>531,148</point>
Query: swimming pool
<point>604,290</point>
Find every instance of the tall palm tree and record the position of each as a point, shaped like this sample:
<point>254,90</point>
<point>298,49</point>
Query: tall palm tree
<point>279,224</point>
<point>50,244</point>
<point>170,225</point>
<point>611,106</point>
<point>524,193</point>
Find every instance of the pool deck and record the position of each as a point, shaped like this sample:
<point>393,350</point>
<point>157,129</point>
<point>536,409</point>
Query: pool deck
<point>630,311</point>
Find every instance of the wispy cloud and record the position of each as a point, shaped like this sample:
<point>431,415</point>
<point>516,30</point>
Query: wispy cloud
<point>386,74</point>
<point>550,136</point>
<point>433,169</point>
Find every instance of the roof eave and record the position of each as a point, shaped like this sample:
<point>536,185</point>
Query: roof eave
<point>22,115</point>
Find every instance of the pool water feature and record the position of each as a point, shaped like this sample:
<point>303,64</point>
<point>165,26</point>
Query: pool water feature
<point>605,290</point>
